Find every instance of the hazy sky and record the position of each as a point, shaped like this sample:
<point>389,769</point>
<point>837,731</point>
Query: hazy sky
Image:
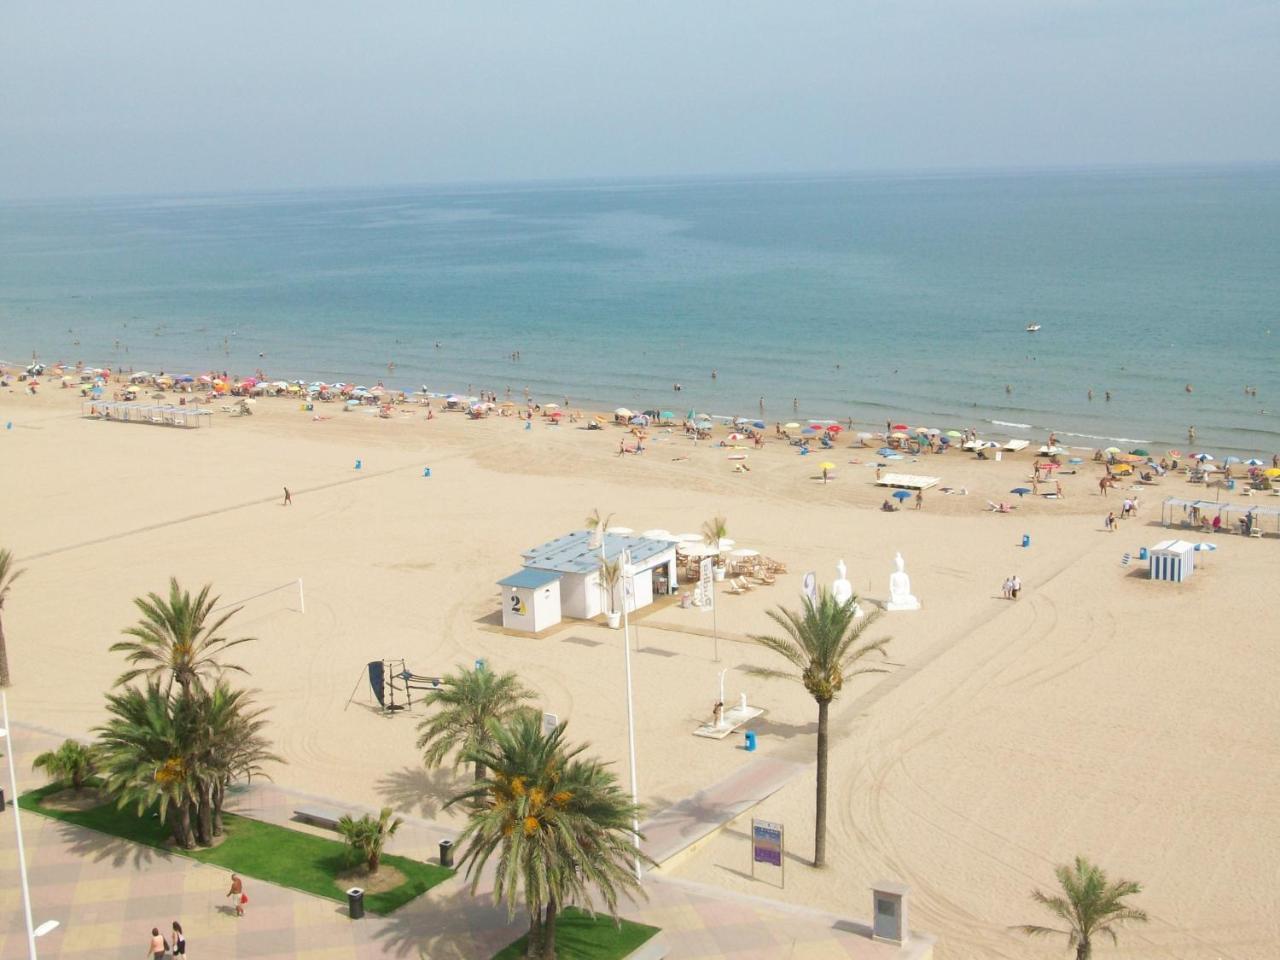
<point>108,96</point>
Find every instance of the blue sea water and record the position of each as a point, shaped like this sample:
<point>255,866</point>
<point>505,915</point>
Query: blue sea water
<point>877,298</point>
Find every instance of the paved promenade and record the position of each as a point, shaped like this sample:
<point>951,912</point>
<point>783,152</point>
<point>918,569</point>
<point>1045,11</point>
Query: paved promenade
<point>107,895</point>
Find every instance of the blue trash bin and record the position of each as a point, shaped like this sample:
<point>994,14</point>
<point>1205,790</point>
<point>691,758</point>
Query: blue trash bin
<point>359,464</point>
<point>751,741</point>
<point>479,664</point>
<point>426,471</point>
<point>1142,553</point>
<point>1026,539</point>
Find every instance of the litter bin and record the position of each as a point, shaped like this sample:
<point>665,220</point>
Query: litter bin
<point>1026,539</point>
<point>355,903</point>
<point>751,741</point>
<point>1142,553</point>
<point>446,853</point>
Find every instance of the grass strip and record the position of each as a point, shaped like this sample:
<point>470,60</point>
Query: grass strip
<point>580,936</point>
<point>254,848</point>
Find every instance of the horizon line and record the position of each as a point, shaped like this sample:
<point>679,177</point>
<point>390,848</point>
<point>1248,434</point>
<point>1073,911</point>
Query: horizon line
<point>665,179</point>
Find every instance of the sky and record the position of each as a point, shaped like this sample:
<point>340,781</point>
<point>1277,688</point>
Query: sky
<point>131,96</point>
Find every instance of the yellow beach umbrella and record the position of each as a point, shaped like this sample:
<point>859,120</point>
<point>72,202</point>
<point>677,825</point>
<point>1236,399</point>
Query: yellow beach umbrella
<point>826,465</point>
<point>1272,472</point>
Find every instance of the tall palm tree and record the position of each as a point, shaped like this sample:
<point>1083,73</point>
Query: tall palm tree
<point>558,825</point>
<point>230,747</point>
<point>823,642</point>
<point>1088,907</point>
<point>8,574</point>
<point>467,706</point>
<point>174,639</point>
<point>72,763</point>
<point>146,750</point>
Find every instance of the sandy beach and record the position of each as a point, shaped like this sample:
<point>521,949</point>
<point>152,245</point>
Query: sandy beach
<point>1101,713</point>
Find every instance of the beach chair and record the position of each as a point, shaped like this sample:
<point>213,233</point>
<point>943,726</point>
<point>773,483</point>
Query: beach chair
<point>742,584</point>
<point>1126,559</point>
<point>766,578</point>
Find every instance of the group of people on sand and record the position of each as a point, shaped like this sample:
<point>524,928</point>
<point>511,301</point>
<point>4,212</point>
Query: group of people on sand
<point>1012,587</point>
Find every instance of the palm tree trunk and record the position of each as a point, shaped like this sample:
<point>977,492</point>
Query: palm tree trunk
<point>820,818</point>
<point>182,826</point>
<point>4,658</point>
<point>549,932</point>
<point>533,940</point>
<point>1084,949</point>
<point>481,771</point>
<point>219,792</point>
<point>204,816</point>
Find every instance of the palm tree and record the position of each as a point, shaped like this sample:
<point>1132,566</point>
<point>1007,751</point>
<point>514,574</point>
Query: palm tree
<point>368,835</point>
<point>146,750</point>
<point>1089,907</point>
<point>823,642</point>
<point>470,704</point>
<point>173,638</point>
<point>8,574</point>
<point>610,577</point>
<point>230,747</point>
<point>558,825</point>
<point>598,526</point>
<point>72,762</point>
<point>715,530</point>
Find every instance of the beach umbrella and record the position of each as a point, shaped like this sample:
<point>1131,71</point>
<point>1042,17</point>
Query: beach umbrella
<point>954,434</point>
<point>1230,460</point>
<point>900,426</point>
<point>835,428</point>
<point>792,426</point>
<point>1272,472</point>
<point>1253,462</point>
<point>884,452</point>
<point>622,412</point>
<point>667,415</point>
<point>551,406</point>
<point>901,494</point>
<point>758,424</point>
<point>688,538</point>
<point>697,549</point>
<point>1206,547</point>
<point>658,534</point>
<point>744,553</point>
<point>1113,450</point>
<point>621,531</point>
<point>1140,453</point>
<point>1203,457</point>
<point>808,432</point>
<point>899,435</point>
<point>826,465</point>
<point>1021,491</point>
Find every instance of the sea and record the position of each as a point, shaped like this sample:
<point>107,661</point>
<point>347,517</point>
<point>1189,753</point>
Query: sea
<point>885,299</point>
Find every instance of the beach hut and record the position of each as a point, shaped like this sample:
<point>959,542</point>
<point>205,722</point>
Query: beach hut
<point>530,600</point>
<point>1172,560</point>
<point>576,563</point>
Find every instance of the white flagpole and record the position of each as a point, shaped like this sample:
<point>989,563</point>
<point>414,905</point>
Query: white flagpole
<point>17,827</point>
<point>631,723</point>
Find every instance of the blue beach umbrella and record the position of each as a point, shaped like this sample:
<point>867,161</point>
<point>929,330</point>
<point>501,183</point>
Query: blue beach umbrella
<point>1021,491</point>
<point>884,452</point>
<point>901,494</point>
<point>808,432</point>
<point>758,424</point>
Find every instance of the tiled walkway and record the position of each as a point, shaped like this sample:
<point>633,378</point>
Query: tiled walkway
<point>107,895</point>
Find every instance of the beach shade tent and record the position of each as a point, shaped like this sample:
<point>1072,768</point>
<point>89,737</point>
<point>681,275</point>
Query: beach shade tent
<point>652,569</point>
<point>901,494</point>
<point>530,600</point>
<point>1173,560</point>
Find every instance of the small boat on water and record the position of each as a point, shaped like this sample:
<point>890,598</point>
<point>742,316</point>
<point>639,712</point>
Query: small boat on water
<point>1033,327</point>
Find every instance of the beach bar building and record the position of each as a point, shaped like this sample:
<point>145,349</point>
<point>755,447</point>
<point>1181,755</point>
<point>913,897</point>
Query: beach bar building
<point>572,562</point>
<point>1172,560</point>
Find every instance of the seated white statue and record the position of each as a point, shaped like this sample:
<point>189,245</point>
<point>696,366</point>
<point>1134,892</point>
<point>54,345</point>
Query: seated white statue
<point>842,589</point>
<point>900,597</point>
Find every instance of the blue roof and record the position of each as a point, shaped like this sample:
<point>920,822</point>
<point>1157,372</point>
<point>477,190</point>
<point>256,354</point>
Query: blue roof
<point>528,577</point>
<point>573,552</point>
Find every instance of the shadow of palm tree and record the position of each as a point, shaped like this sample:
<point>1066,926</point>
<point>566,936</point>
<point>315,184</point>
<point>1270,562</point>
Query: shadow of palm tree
<point>783,731</point>
<point>449,926</point>
<point>98,847</point>
<point>419,791</point>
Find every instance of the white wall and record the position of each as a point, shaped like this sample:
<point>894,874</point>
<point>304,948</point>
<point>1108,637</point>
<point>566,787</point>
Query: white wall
<point>541,607</point>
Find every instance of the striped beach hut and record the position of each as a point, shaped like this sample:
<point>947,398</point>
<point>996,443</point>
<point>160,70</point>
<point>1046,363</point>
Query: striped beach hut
<point>1172,560</point>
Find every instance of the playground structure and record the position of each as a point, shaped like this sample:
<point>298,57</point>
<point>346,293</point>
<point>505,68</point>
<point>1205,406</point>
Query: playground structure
<point>391,678</point>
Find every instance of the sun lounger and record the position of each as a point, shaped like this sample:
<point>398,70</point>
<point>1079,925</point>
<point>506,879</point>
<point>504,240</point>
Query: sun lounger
<point>907,481</point>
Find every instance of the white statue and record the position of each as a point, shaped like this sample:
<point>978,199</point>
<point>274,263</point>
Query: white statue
<point>842,589</point>
<point>900,597</point>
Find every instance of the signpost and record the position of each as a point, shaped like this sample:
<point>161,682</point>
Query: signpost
<point>767,846</point>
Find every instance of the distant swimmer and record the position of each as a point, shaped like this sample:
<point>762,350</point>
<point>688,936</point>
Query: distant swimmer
<point>1191,434</point>
<point>795,404</point>
<point>762,404</point>
<point>1188,388</point>
<point>1008,388</point>
<point>676,387</point>
<point>1091,393</point>
<point>1107,396</point>
<point>714,375</point>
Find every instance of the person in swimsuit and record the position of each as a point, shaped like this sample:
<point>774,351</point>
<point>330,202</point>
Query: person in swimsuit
<point>240,898</point>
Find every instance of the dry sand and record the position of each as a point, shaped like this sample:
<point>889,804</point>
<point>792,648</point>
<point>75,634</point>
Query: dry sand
<point>1103,714</point>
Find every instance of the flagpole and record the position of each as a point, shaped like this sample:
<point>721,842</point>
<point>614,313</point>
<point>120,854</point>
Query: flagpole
<point>17,827</point>
<point>631,723</point>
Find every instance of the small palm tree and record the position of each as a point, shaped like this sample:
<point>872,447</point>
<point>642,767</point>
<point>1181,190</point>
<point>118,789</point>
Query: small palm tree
<point>173,638</point>
<point>73,763</point>
<point>368,835</point>
<point>715,530</point>
<point>598,526</point>
<point>823,642</point>
<point>1089,906</point>
<point>558,825</point>
<point>467,706</point>
<point>610,577</point>
<point>8,574</point>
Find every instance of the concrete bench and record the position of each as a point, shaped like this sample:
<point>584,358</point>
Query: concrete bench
<point>319,816</point>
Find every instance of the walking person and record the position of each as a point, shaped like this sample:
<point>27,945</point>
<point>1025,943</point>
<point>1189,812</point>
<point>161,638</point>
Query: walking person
<point>1015,586</point>
<point>239,897</point>
<point>157,948</point>
<point>919,499</point>
<point>288,497</point>
<point>179,946</point>
<point>1006,588</point>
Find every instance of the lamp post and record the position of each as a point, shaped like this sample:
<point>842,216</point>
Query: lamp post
<point>32,931</point>
<point>627,591</point>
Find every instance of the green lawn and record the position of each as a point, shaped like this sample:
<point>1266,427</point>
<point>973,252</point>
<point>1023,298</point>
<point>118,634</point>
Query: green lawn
<point>263,851</point>
<point>581,937</point>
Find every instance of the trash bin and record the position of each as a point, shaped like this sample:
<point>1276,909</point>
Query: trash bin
<point>1026,539</point>
<point>751,741</point>
<point>355,903</point>
<point>446,853</point>
<point>1142,553</point>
